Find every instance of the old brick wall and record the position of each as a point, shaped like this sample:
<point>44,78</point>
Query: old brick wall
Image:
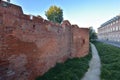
<point>29,47</point>
<point>80,41</point>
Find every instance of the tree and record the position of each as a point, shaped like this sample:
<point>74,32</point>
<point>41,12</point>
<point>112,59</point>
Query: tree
<point>54,14</point>
<point>92,34</point>
<point>8,0</point>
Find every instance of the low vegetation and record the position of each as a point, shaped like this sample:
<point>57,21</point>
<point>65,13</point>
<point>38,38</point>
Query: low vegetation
<point>92,34</point>
<point>110,59</point>
<point>72,69</point>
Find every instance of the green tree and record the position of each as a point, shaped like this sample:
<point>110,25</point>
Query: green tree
<point>92,34</point>
<point>54,14</point>
<point>8,0</point>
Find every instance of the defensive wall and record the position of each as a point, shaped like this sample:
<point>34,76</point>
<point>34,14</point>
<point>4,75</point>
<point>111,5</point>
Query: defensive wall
<point>30,45</point>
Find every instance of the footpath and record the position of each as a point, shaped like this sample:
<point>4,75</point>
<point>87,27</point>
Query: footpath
<point>93,72</point>
<point>116,44</point>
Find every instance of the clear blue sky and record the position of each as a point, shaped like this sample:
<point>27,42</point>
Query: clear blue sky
<point>84,13</point>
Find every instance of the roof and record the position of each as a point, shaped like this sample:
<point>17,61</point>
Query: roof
<point>109,21</point>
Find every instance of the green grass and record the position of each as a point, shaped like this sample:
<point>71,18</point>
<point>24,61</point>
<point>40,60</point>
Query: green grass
<point>110,59</point>
<point>72,69</point>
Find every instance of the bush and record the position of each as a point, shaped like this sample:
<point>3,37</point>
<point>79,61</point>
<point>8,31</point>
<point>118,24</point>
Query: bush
<point>72,69</point>
<point>110,59</point>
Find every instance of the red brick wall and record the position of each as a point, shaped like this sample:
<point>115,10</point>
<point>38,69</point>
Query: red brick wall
<point>80,44</point>
<point>30,47</point>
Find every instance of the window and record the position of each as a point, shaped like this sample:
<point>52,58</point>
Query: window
<point>117,21</point>
<point>116,28</point>
<point>110,29</point>
<point>113,29</point>
<point>119,27</point>
<point>33,26</point>
<point>114,22</point>
<point>111,24</point>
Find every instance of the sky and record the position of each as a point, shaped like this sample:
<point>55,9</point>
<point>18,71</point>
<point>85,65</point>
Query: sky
<point>84,13</point>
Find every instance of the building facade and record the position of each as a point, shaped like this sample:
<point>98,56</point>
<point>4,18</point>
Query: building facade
<point>110,30</point>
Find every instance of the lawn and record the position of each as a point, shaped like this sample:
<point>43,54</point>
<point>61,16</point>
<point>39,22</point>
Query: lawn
<point>72,69</point>
<point>110,59</point>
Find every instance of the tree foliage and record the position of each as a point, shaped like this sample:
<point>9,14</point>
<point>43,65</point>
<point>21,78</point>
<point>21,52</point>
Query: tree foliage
<point>92,34</point>
<point>54,14</point>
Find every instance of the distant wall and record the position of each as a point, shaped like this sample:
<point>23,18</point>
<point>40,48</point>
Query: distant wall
<point>30,46</point>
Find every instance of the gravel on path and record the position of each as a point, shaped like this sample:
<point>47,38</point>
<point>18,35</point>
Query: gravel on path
<point>94,71</point>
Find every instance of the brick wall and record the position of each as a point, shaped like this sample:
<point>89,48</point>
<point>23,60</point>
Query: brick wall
<point>29,47</point>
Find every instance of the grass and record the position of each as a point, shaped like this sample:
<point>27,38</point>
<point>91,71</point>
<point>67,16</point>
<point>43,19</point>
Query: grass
<point>72,69</point>
<point>110,60</point>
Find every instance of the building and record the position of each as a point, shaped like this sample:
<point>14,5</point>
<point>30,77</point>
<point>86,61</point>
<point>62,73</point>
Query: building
<point>110,30</point>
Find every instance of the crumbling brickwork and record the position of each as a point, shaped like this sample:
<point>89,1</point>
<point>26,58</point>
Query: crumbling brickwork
<point>30,45</point>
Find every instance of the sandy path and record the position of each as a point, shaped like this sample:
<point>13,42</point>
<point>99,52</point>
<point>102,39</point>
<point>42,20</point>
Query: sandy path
<point>93,72</point>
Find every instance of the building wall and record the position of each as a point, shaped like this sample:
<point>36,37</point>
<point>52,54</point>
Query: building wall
<point>110,30</point>
<point>30,46</point>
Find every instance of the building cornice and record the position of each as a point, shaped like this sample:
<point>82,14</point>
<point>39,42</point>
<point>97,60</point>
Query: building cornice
<point>110,21</point>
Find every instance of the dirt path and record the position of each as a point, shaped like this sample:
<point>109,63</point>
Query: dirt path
<point>93,72</point>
